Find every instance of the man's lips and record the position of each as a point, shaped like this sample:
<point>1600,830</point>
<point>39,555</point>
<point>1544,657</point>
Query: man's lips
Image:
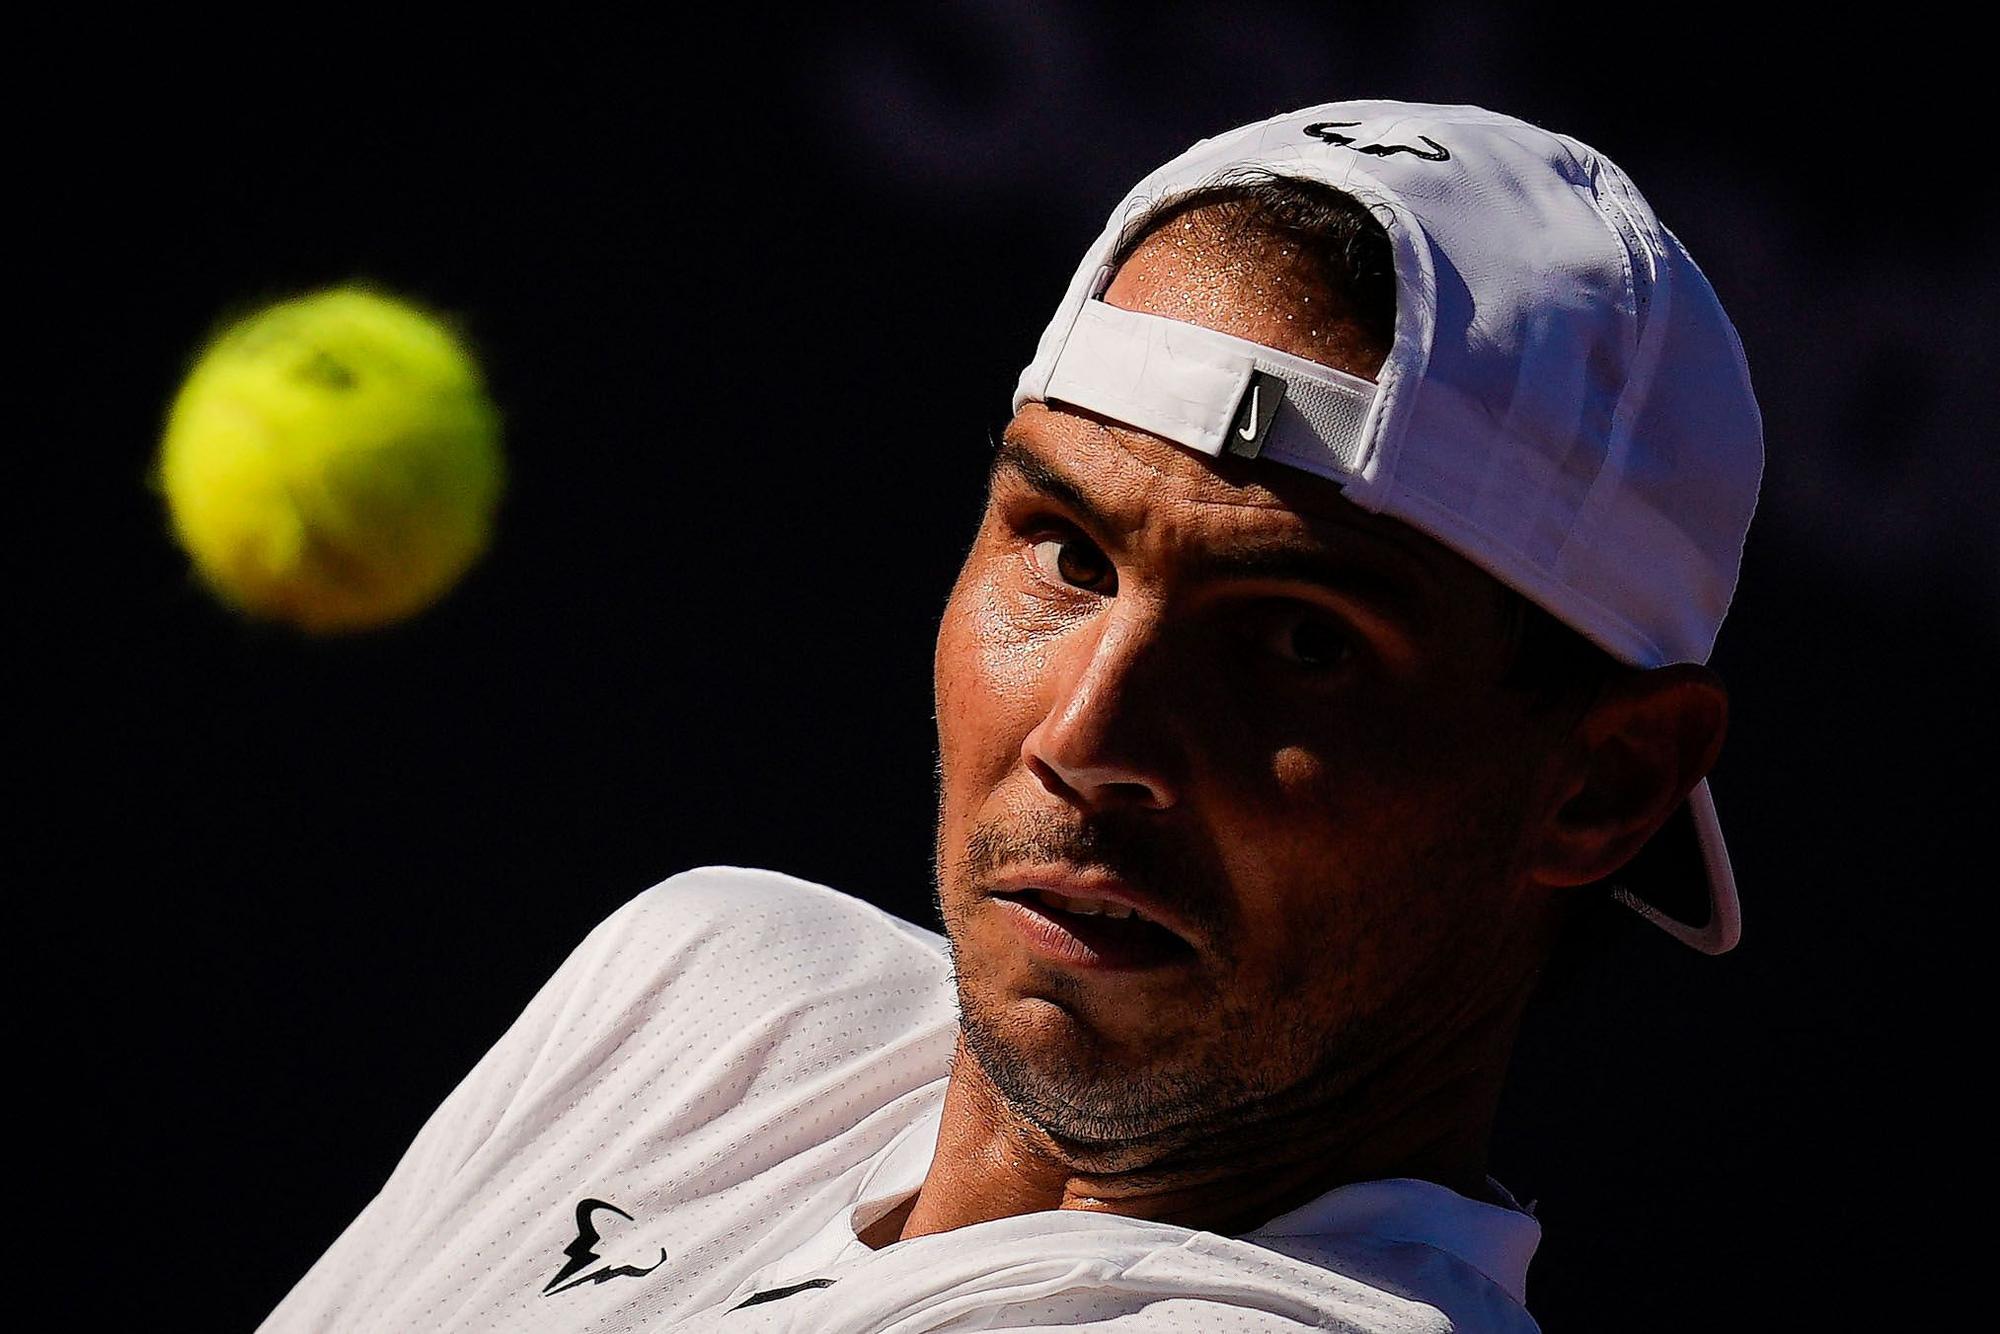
<point>1095,893</point>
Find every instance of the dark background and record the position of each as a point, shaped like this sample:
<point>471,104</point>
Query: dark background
<point>751,294</point>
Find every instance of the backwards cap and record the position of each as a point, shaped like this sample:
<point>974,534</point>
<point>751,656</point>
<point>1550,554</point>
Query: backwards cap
<point>1564,402</point>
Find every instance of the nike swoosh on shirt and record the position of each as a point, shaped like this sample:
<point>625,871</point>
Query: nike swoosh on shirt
<point>773,1294</point>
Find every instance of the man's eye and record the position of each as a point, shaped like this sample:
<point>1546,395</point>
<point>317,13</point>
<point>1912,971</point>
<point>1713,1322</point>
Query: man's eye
<point>1313,642</point>
<point>1070,560</point>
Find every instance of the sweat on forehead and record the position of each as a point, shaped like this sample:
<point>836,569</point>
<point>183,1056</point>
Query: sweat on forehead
<point>1295,261</point>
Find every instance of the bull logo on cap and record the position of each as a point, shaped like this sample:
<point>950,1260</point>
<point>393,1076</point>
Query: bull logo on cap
<point>1329,131</point>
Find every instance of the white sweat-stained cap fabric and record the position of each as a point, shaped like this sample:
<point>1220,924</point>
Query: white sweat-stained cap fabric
<point>1564,402</point>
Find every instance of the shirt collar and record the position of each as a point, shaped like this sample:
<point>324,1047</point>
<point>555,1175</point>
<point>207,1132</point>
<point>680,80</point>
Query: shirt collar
<point>896,1171</point>
<point>1495,1240</point>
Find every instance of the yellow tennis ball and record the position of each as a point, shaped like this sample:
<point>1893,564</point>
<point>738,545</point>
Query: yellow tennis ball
<point>332,461</point>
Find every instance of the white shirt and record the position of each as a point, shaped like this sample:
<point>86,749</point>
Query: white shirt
<point>738,1071</point>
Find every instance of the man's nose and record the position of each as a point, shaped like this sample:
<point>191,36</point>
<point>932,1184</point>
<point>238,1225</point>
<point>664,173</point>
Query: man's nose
<point>1106,739</point>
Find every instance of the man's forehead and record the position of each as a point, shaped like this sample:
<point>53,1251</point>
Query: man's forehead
<point>1204,267</point>
<point>1243,281</point>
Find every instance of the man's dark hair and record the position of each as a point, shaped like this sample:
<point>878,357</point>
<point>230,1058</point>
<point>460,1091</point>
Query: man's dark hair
<point>1344,244</point>
<point>1348,250</point>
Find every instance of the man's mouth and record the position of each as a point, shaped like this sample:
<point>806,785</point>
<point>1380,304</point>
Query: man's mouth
<point>1085,907</point>
<point>1088,931</point>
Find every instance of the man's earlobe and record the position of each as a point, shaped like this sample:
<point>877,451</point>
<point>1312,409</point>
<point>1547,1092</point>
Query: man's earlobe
<point>1637,752</point>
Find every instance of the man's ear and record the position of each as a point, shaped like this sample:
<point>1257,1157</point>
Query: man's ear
<point>1634,756</point>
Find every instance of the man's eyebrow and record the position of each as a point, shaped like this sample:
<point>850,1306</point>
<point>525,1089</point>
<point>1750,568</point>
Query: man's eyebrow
<point>1345,569</point>
<point>1011,456</point>
<point>1375,583</point>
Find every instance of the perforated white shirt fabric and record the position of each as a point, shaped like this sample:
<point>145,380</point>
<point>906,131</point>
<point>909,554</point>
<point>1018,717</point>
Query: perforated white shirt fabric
<point>735,1072</point>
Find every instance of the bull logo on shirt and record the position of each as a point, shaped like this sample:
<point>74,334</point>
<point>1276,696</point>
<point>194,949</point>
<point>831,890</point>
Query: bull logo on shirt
<point>583,1252</point>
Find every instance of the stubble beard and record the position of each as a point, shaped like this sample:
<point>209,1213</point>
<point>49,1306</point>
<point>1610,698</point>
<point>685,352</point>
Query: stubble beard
<point>1073,1092</point>
<point>1254,1060</point>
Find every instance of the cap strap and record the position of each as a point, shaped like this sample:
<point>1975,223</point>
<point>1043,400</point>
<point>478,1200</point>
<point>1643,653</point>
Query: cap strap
<point>1725,918</point>
<point>1212,391</point>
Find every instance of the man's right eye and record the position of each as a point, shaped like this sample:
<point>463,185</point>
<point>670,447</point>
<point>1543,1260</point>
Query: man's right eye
<point>1071,560</point>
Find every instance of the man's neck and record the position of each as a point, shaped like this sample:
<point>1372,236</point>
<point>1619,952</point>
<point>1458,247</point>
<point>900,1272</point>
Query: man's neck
<point>991,1163</point>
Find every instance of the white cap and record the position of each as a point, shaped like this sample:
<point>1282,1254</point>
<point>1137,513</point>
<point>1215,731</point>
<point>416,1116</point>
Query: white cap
<point>1564,402</point>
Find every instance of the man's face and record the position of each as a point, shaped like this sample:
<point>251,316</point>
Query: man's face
<point>1221,694</point>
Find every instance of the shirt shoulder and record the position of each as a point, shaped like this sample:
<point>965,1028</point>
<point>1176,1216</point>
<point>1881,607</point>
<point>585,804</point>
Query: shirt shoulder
<point>748,909</point>
<point>752,938</point>
<point>781,971</point>
<point>714,1052</point>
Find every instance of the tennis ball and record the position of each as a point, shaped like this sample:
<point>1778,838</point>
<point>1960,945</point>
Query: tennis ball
<point>332,461</point>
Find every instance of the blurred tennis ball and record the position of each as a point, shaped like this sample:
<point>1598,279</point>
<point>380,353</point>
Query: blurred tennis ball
<point>332,461</point>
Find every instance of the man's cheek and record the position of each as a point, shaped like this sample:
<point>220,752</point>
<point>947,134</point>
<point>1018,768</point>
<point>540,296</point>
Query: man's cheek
<point>990,686</point>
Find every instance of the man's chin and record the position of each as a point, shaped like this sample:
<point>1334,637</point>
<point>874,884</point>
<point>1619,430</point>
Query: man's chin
<point>1057,1074</point>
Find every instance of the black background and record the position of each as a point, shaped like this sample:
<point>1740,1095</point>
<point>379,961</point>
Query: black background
<point>751,294</point>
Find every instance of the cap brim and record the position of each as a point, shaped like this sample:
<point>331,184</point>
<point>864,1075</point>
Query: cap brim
<point>1665,880</point>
